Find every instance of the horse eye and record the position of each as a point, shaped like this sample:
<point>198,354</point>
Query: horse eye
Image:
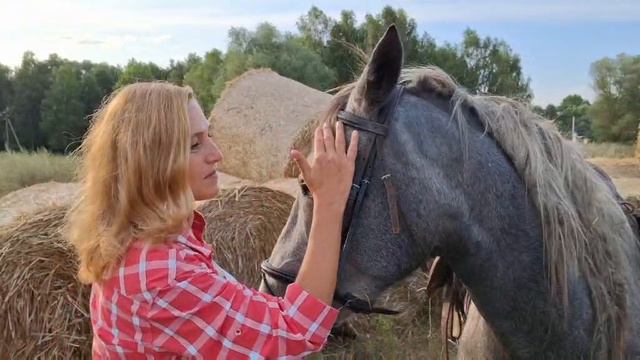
<point>304,188</point>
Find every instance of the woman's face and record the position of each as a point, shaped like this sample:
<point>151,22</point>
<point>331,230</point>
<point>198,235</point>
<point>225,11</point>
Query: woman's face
<point>204,156</point>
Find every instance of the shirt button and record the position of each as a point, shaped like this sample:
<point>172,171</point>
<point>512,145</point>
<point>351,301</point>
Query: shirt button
<point>238,331</point>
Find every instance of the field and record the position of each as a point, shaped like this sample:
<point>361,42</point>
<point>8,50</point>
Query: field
<point>414,334</point>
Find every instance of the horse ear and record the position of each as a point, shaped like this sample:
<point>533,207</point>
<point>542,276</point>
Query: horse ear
<point>383,70</point>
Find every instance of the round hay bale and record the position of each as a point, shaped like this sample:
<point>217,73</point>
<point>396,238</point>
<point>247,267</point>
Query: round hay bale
<point>289,186</point>
<point>256,120</point>
<point>243,225</point>
<point>34,197</point>
<point>44,309</point>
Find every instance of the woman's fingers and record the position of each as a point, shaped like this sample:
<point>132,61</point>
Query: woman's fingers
<point>329,141</point>
<point>318,141</point>
<point>340,142</point>
<point>352,152</point>
<point>302,163</point>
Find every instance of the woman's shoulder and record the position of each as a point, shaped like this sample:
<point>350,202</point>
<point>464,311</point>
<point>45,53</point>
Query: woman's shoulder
<point>147,267</point>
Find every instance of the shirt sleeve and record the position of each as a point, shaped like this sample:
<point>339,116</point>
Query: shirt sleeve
<point>203,314</point>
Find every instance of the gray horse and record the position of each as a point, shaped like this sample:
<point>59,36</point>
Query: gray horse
<point>543,247</point>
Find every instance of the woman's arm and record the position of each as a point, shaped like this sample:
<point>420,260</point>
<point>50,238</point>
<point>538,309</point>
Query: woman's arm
<point>329,178</point>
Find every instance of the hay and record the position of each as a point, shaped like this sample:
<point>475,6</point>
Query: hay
<point>289,186</point>
<point>34,197</point>
<point>243,225</point>
<point>44,309</point>
<point>256,120</point>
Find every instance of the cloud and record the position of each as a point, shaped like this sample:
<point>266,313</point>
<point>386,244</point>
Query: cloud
<point>160,39</point>
<point>545,94</point>
<point>89,42</point>
<point>83,16</point>
<point>517,10</point>
<point>117,41</point>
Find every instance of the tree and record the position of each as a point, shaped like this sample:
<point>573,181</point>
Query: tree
<point>343,54</point>
<point>106,77</point>
<point>202,77</point>
<point>447,57</point>
<point>374,27</point>
<point>137,71</point>
<point>32,80</point>
<point>266,47</point>
<point>493,68</point>
<point>616,110</point>
<point>574,107</point>
<point>62,110</point>
<point>178,69</point>
<point>6,94</point>
<point>6,87</point>
<point>315,29</point>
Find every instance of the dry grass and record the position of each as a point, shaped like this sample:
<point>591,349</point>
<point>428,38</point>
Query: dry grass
<point>19,170</point>
<point>243,225</point>
<point>44,310</point>
<point>256,120</point>
<point>609,150</point>
<point>36,197</point>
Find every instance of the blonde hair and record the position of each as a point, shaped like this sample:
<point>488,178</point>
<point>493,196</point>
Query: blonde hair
<point>134,175</point>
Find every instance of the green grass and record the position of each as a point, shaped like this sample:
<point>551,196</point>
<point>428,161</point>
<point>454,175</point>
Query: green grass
<point>388,337</point>
<point>609,150</point>
<point>19,170</point>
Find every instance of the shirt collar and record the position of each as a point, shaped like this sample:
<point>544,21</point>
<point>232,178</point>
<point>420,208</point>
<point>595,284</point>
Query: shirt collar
<point>193,237</point>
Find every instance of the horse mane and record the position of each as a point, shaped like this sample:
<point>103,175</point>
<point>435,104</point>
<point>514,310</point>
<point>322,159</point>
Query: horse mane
<point>585,232</point>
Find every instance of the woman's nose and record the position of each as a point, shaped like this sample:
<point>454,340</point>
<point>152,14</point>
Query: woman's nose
<point>214,155</point>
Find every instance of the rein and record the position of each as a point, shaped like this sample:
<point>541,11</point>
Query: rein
<point>378,126</point>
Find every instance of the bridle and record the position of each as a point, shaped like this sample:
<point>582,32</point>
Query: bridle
<point>378,126</point>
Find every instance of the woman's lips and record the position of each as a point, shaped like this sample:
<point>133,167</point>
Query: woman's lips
<point>211,174</point>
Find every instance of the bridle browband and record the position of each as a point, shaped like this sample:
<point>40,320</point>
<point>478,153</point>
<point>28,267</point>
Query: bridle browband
<point>378,126</point>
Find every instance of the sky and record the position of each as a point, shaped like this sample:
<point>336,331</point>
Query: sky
<point>557,40</point>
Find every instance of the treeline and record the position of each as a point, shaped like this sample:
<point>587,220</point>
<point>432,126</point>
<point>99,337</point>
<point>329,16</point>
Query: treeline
<point>47,103</point>
<point>615,114</point>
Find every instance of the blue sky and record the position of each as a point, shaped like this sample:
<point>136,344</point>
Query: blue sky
<point>557,40</point>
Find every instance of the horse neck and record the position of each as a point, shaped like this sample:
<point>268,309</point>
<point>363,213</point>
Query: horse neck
<point>498,255</point>
<point>481,221</point>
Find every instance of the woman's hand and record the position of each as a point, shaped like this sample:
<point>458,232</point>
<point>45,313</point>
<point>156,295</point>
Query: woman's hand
<point>329,178</point>
<point>330,174</point>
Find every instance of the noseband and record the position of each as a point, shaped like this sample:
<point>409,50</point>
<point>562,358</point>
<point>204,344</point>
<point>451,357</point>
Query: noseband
<point>378,126</point>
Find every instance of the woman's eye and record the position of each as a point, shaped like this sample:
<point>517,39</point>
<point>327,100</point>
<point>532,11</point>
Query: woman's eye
<point>193,146</point>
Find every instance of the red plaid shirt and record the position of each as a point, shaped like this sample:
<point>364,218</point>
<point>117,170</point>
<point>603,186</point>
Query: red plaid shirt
<point>172,301</point>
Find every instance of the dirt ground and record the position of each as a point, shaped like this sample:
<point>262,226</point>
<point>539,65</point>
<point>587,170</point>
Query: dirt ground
<point>624,172</point>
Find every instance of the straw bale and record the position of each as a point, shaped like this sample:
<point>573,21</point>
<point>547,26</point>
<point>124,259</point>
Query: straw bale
<point>34,197</point>
<point>256,120</point>
<point>243,225</point>
<point>44,309</point>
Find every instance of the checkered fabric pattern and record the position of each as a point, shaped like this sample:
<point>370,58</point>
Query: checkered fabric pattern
<point>172,301</point>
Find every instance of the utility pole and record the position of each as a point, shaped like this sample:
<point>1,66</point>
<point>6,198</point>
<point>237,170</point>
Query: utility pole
<point>574,138</point>
<point>8,126</point>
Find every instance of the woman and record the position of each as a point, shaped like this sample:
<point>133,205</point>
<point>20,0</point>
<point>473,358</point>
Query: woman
<point>156,293</point>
